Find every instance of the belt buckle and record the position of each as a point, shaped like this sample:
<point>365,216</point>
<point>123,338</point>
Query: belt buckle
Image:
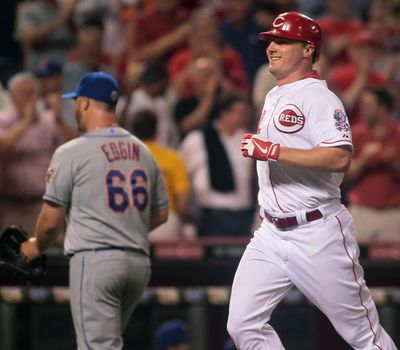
<point>275,219</point>
<point>276,222</point>
<point>283,223</point>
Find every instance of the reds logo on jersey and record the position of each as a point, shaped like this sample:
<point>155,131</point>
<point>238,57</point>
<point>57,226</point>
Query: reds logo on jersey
<point>289,119</point>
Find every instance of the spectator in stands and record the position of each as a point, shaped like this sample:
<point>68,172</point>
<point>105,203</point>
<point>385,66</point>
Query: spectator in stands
<point>193,111</point>
<point>44,31</point>
<point>51,79</point>
<point>7,140</point>
<point>172,335</point>
<point>153,94</point>
<point>205,41</point>
<point>89,9</point>
<point>239,30</point>
<point>388,14</point>
<point>87,56</point>
<point>386,59</point>
<point>349,80</point>
<point>144,125</point>
<point>381,22</point>
<point>23,166</point>
<point>221,179</point>
<point>117,38</point>
<point>374,175</point>
<point>159,31</point>
<point>338,28</point>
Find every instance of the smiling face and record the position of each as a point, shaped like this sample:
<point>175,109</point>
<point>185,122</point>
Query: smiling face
<point>289,60</point>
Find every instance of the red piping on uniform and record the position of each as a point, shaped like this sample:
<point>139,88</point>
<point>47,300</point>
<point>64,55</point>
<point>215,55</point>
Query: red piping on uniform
<point>270,179</point>
<point>329,143</point>
<point>359,285</point>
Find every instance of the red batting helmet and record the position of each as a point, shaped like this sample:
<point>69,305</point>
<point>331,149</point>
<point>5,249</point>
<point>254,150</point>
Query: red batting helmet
<point>295,26</point>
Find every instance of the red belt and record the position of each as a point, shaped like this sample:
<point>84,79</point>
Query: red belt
<point>291,221</point>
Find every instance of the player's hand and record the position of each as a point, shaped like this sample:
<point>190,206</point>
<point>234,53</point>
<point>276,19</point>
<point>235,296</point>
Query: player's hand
<point>30,250</point>
<point>255,147</point>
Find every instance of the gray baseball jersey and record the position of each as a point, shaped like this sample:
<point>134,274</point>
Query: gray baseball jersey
<point>112,207</point>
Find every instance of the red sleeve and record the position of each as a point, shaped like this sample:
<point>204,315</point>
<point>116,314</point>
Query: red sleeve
<point>377,79</point>
<point>341,77</point>
<point>234,69</point>
<point>178,62</point>
<point>139,36</point>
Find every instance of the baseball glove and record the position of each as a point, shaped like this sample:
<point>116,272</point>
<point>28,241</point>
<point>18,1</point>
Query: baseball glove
<point>10,243</point>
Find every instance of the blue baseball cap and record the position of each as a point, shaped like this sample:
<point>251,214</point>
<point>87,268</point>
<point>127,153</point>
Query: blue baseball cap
<point>48,67</point>
<point>171,333</point>
<point>98,86</point>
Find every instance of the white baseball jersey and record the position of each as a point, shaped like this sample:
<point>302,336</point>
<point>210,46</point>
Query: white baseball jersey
<point>319,256</point>
<point>112,208</point>
<point>292,117</point>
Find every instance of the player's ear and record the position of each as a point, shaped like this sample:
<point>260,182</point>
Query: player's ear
<point>308,50</point>
<point>85,103</point>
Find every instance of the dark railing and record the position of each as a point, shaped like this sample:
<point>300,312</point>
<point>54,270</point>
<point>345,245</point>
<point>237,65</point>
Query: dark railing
<point>213,261</point>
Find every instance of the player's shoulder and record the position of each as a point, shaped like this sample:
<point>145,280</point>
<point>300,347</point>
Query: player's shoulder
<point>318,85</point>
<point>318,90</point>
<point>73,147</point>
<point>70,145</point>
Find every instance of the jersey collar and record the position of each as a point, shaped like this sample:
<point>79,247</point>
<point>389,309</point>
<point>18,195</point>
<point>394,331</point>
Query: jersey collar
<point>314,74</point>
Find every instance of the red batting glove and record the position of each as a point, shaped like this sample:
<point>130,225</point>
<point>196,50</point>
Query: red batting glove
<point>259,149</point>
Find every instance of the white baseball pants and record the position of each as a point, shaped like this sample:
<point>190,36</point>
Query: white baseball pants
<point>320,258</point>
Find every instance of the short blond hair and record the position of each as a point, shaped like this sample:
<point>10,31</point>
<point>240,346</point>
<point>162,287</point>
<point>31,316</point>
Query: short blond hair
<point>20,78</point>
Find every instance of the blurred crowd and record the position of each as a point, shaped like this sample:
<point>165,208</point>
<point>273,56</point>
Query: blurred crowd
<point>194,77</point>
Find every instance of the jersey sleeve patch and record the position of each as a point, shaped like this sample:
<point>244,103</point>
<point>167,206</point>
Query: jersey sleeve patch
<point>341,122</point>
<point>49,173</point>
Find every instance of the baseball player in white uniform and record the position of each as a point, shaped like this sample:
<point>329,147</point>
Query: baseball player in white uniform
<point>110,188</point>
<point>303,147</point>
